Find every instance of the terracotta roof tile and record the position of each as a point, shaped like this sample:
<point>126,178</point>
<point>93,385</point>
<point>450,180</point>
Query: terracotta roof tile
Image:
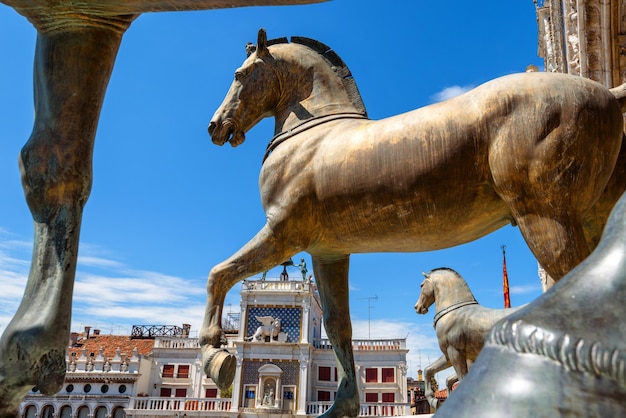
<point>441,394</point>
<point>110,343</point>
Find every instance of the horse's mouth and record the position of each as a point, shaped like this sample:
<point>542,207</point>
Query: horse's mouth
<point>227,132</point>
<point>235,137</point>
<point>421,310</point>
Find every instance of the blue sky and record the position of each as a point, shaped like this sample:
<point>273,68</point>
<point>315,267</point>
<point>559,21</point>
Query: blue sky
<point>167,204</point>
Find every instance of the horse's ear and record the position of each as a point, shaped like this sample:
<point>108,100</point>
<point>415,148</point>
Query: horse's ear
<point>424,274</point>
<point>261,45</point>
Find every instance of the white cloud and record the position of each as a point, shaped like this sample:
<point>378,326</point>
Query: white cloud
<point>90,261</point>
<point>450,92</point>
<point>107,292</point>
<point>111,296</point>
<point>525,289</point>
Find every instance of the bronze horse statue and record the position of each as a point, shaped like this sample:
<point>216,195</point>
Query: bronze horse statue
<point>535,149</point>
<point>77,43</point>
<point>460,323</point>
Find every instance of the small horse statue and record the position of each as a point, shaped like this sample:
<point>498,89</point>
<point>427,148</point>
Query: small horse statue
<point>461,323</point>
<point>534,149</point>
<point>270,328</point>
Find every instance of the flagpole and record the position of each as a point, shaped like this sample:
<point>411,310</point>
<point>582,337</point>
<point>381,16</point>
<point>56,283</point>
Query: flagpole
<point>505,279</point>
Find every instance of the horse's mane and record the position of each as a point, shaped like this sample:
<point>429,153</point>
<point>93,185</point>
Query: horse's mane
<point>461,281</point>
<point>444,268</point>
<point>334,61</point>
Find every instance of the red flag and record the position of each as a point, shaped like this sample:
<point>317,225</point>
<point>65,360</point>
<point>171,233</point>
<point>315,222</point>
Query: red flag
<point>505,280</point>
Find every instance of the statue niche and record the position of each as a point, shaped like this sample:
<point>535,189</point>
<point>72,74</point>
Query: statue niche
<point>269,386</point>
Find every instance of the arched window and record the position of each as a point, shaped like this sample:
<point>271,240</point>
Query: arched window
<point>30,412</point>
<point>83,412</point>
<point>101,412</point>
<point>47,412</point>
<point>66,412</point>
<point>119,413</point>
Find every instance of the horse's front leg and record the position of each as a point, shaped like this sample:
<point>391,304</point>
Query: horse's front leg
<point>331,276</point>
<point>261,253</point>
<point>71,72</point>
<point>440,364</point>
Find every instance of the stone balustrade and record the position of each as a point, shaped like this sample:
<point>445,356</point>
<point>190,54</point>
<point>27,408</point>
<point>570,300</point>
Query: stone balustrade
<point>176,342</point>
<point>366,409</point>
<point>178,404</point>
<point>277,285</point>
<point>366,345</point>
<point>98,363</point>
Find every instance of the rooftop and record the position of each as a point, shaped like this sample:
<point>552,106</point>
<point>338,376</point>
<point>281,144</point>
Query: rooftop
<point>109,344</point>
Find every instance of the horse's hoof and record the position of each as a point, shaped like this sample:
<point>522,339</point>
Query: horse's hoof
<point>26,363</point>
<point>220,366</point>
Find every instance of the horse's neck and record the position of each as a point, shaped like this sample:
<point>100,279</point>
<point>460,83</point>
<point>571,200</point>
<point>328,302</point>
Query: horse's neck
<point>327,97</point>
<point>450,292</point>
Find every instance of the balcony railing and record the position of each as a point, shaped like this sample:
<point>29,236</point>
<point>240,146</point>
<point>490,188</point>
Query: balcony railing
<point>224,405</point>
<point>176,342</point>
<point>272,285</point>
<point>179,404</point>
<point>366,345</point>
<point>366,410</point>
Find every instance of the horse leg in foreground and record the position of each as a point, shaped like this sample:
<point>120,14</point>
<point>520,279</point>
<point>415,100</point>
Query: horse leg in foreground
<point>332,283</point>
<point>565,353</point>
<point>261,253</point>
<point>440,364</point>
<point>56,173</point>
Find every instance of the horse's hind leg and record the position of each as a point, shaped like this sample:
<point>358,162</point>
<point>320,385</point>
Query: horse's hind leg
<point>558,244</point>
<point>331,277</point>
<point>261,253</point>
<point>71,73</point>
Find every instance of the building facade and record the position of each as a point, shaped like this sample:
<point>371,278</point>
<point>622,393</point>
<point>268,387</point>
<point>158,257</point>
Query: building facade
<point>584,37</point>
<point>284,367</point>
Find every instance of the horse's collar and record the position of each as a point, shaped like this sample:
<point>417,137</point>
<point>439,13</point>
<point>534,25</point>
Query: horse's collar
<point>281,137</point>
<point>451,308</point>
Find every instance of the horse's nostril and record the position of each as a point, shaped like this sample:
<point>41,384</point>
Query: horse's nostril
<point>211,128</point>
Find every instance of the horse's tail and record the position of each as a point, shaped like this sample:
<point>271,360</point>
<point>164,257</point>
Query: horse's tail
<point>620,94</point>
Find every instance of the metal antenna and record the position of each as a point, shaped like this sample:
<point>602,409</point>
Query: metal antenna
<point>369,311</point>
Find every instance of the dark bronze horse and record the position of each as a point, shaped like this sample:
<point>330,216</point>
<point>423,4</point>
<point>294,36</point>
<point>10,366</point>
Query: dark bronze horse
<point>77,43</point>
<point>535,149</point>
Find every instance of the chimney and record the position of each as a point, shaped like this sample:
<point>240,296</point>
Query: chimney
<point>74,339</point>
<point>186,329</point>
<point>96,332</point>
<point>87,329</point>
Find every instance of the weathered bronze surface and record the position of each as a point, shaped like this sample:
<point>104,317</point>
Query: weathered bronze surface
<point>534,149</point>
<point>77,42</point>
<point>563,355</point>
<point>460,322</point>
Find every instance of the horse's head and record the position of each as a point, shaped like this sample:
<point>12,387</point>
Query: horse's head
<point>427,295</point>
<point>255,86</point>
